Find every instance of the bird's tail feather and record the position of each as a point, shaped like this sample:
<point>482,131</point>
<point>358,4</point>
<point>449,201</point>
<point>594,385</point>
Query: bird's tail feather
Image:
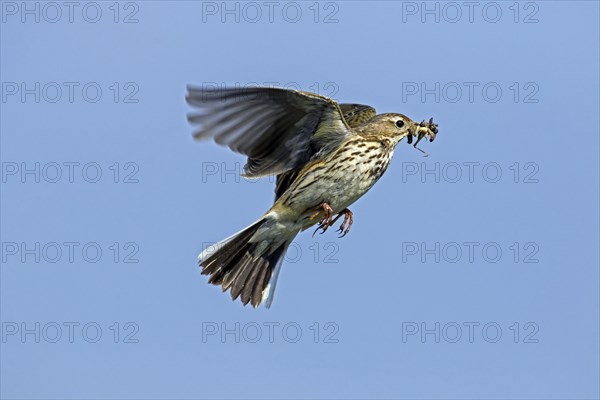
<point>248,268</point>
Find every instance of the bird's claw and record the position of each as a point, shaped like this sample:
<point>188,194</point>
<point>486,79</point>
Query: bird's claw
<point>343,229</point>
<point>326,222</point>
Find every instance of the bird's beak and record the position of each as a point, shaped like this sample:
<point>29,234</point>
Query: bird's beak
<point>411,132</point>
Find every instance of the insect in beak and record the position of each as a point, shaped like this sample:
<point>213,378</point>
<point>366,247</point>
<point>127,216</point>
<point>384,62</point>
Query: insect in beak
<point>424,129</point>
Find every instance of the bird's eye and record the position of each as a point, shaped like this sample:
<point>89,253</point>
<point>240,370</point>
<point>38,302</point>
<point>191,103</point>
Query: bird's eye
<point>399,123</point>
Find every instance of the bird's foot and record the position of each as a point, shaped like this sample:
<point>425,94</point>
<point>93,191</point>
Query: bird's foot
<point>343,229</point>
<point>326,222</point>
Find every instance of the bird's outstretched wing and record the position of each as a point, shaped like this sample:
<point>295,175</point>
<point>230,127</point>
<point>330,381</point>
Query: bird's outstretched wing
<point>354,115</point>
<point>279,130</point>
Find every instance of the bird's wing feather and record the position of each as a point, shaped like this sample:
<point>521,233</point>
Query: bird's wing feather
<point>354,115</point>
<point>357,114</point>
<point>278,130</point>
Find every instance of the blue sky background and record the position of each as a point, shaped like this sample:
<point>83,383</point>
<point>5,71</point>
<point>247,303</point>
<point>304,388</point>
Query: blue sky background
<point>366,292</point>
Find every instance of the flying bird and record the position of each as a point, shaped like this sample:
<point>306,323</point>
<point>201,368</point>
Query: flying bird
<point>325,156</point>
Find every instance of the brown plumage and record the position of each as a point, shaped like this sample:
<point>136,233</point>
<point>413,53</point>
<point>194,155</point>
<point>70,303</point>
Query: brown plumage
<point>325,157</point>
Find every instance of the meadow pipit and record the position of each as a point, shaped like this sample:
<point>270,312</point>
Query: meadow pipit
<point>325,156</point>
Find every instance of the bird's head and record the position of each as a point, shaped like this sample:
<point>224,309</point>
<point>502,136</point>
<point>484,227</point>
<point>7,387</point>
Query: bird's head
<point>398,127</point>
<point>394,126</point>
